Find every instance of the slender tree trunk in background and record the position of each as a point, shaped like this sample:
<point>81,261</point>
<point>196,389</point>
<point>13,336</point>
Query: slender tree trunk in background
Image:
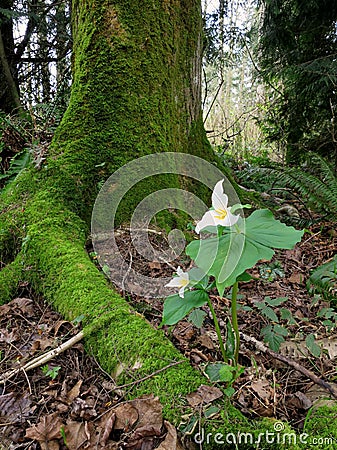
<point>44,53</point>
<point>62,47</point>
<point>9,87</point>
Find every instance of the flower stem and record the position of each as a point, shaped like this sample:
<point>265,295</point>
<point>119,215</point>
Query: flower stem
<point>235,320</point>
<point>217,329</point>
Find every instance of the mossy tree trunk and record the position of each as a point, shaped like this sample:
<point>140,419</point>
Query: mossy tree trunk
<point>136,91</point>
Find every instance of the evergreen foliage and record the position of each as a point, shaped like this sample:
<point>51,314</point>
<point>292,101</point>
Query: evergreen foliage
<point>315,182</point>
<point>297,56</point>
<point>324,279</point>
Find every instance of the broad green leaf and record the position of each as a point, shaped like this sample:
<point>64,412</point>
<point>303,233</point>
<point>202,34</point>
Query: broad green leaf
<point>326,312</point>
<point>245,277</point>
<point>242,246</point>
<point>286,314</point>
<point>229,391</point>
<point>197,317</point>
<point>211,411</point>
<point>176,308</point>
<point>198,276</point>
<point>262,227</point>
<point>313,348</point>
<point>329,324</point>
<point>190,425</point>
<point>281,330</point>
<point>245,308</point>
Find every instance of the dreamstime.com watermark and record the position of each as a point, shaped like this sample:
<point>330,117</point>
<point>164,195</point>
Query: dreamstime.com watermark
<point>279,436</point>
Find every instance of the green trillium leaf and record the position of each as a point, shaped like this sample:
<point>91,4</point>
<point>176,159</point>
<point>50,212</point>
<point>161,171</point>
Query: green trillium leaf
<point>176,308</point>
<point>242,246</point>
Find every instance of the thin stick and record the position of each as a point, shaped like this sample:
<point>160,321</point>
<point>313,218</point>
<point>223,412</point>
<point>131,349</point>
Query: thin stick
<point>291,363</point>
<point>148,376</point>
<point>42,359</point>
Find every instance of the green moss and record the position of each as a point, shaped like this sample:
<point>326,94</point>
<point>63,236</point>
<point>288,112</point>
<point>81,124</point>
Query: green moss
<point>10,276</point>
<point>321,427</point>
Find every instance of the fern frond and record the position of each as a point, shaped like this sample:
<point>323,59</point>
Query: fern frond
<point>323,280</point>
<point>316,183</point>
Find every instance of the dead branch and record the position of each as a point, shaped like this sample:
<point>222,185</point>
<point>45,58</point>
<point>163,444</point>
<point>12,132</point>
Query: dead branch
<point>290,362</point>
<point>42,359</point>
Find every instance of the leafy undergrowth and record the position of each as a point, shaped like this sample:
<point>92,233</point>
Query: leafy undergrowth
<point>71,403</point>
<point>275,309</point>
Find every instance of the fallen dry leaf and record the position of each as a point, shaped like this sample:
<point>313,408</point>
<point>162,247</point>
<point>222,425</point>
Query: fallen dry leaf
<point>171,440</point>
<point>80,408</point>
<point>108,426</point>
<point>149,411</point>
<point>14,408</point>
<point>74,392</point>
<point>26,305</point>
<point>262,388</point>
<point>46,430</point>
<point>126,416</point>
<point>80,435</point>
<point>205,341</point>
<point>300,401</point>
<point>8,336</point>
<point>296,277</point>
<point>203,395</point>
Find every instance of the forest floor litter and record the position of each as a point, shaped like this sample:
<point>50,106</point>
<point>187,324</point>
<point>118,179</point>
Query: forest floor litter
<point>70,402</point>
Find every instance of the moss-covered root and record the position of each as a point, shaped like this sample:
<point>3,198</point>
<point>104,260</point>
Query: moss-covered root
<point>10,276</point>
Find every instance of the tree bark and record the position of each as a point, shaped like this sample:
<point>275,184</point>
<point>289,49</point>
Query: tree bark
<point>9,87</point>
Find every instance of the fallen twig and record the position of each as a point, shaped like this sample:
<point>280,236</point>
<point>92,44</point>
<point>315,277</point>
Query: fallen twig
<point>42,359</point>
<point>290,362</point>
<point>175,363</point>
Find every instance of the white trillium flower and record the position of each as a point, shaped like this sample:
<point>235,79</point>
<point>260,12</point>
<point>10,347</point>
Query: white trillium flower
<point>220,214</point>
<point>181,281</point>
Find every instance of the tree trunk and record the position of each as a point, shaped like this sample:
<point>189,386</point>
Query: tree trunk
<point>9,87</point>
<point>136,91</point>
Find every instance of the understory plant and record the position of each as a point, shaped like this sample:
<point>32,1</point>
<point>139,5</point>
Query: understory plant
<point>231,245</point>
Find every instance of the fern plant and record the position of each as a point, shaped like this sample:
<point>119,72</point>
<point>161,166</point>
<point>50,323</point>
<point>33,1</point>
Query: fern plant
<point>18,163</point>
<point>315,183</point>
<point>323,280</point>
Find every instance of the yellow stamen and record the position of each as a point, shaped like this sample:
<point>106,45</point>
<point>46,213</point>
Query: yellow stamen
<point>183,282</point>
<point>222,213</point>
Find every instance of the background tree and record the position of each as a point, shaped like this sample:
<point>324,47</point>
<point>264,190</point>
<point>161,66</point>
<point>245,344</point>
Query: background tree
<point>232,91</point>
<point>298,56</point>
<point>9,85</point>
<point>32,34</point>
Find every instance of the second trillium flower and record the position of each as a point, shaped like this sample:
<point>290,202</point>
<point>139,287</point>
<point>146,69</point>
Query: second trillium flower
<point>220,214</point>
<point>181,281</point>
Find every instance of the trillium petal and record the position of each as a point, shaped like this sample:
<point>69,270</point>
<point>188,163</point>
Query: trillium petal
<point>219,199</point>
<point>180,271</point>
<point>175,282</point>
<point>208,220</point>
<point>229,220</point>
<point>182,292</point>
